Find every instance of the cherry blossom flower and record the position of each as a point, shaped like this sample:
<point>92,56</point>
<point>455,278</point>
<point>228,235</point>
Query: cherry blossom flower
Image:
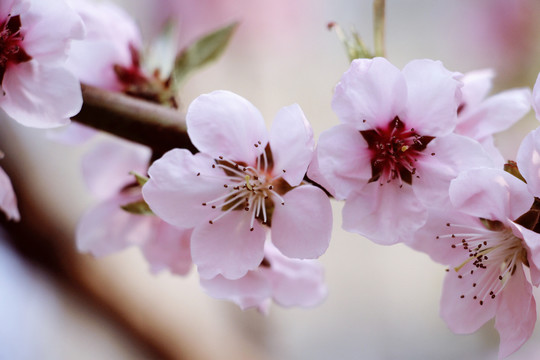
<point>112,40</point>
<point>289,282</point>
<point>36,88</point>
<point>243,181</point>
<point>394,153</point>
<point>106,228</point>
<point>480,116</point>
<point>8,201</point>
<point>487,241</point>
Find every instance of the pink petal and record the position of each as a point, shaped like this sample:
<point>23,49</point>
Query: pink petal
<point>294,282</point>
<point>227,247</point>
<point>344,159</point>
<point>110,33</point>
<point>302,227</point>
<point>497,113</point>
<point>252,290</point>
<point>536,97</point>
<point>490,194</point>
<point>40,96</point>
<point>292,144</point>
<point>531,241</point>
<point>106,228</point>
<point>373,90</point>
<point>8,201</point>
<point>433,93</point>
<point>106,168</point>
<point>476,86</point>
<point>225,124</point>
<point>465,315</point>
<point>6,7</point>
<point>48,28</point>
<point>516,314</point>
<point>384,214</point>
<point>168,248</point>
<point>528,160</point>
<point>175,192</point>
<point>73,134</point>
<point>452,155</point>
<point>434,238</point>
<point>314,173</point>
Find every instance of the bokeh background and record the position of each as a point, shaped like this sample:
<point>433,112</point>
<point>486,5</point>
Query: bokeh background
<point>383,302</point>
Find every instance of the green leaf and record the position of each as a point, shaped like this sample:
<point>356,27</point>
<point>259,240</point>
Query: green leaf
<point>203,51</point>
<point>138,208</point>
<point>141,179</point>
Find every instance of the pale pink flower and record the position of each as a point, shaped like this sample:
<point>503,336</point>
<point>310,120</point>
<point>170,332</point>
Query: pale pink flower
<point>485,239</point>
<point>35,87</point>
<point>106,228</point>
<point>112,39</point>
<point>395,153</point>
<point>8,201</point>
<point>480,116</point>
<point>289,282</point>
<point>243,181</point>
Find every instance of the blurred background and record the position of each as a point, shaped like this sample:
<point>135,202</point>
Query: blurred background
<point>383,302</point>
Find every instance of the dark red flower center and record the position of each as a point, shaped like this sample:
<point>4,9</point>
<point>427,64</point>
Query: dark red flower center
<point>394,152</point>
<point>11,51</point>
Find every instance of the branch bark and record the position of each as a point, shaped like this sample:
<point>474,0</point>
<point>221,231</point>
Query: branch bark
<point>146,123</point>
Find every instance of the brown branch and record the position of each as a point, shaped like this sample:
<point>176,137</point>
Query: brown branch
<point>146,123</point>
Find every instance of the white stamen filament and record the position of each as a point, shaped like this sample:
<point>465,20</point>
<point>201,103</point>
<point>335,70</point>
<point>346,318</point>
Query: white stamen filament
<point>247,187</point>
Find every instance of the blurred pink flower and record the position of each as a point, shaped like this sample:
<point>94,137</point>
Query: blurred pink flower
<point>106,228</point>
<point>289,282</point>
<point>395,153</point>
<point>8,201</point>
<point>485,240</point>
<point>503,33</point>
<point>111,34</point>
<point>36,88</point>
<point>480,116</point>
<point>243,178</point>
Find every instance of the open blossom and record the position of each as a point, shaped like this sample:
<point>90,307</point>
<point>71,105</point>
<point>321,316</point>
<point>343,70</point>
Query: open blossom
<point>106,228</point>
<point>289,282</point>
<point>35,87</point>
<point>243,182</point>
<point>394,153</point>
<point>480,116</point>
<point>8,201</point>
<point>486,240</point>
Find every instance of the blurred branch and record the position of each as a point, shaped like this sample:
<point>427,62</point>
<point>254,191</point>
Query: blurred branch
<point>146,123</point>
<point>378,27</point>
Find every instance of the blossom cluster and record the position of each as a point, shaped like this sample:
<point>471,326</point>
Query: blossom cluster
<point>413,159</point>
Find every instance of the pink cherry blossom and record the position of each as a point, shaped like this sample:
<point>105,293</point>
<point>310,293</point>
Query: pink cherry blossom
<point>394,153</point>
<point>106,228</point>
<point>8,201</point>
<point>289,282</point>
<point>36,88</point>
<point>244,181</point>
<point>485,239</point>
<point>112,39</point>
<point>480,116</point>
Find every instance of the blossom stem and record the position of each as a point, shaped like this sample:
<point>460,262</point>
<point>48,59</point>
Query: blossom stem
<point>378,27</point>
<point>155,126</point>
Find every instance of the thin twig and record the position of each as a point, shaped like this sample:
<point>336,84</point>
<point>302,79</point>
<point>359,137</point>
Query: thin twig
<point>378,27</point>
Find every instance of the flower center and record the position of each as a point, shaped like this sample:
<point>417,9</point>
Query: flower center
<point>11,38</point>
<point>254,189</point>
<point>493,250</point>
<point>394,151</point>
